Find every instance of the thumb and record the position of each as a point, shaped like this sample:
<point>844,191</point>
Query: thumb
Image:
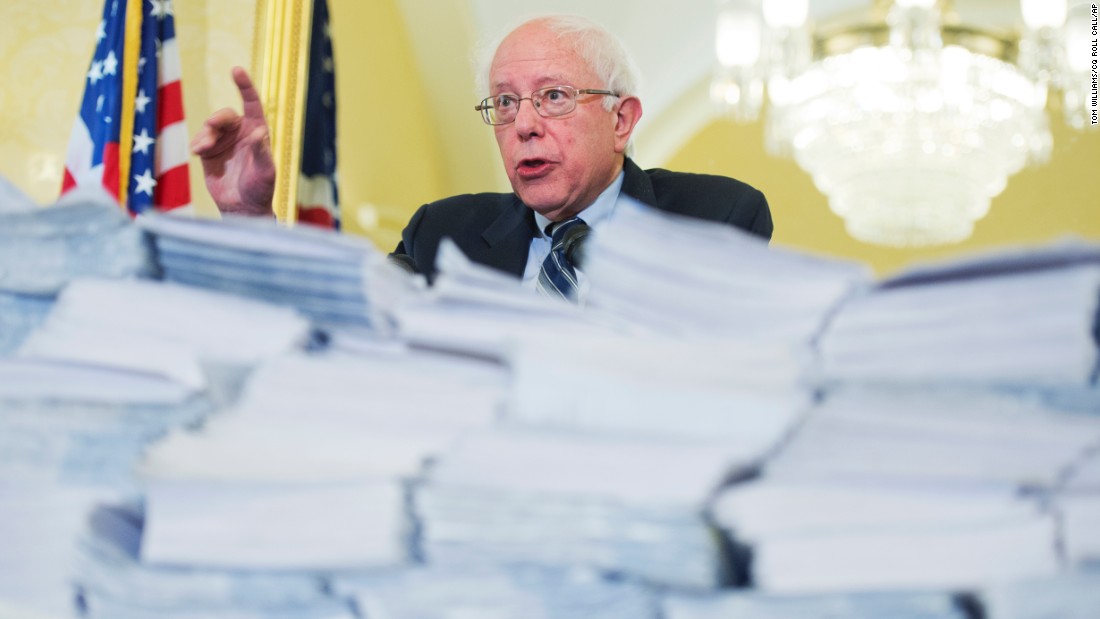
<point>263,165</point>
<point>260,142</point>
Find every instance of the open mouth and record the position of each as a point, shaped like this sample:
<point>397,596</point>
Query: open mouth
<point>531,168</point>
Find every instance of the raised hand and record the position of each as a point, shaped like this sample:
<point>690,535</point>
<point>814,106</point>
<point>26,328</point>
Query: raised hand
<point>236,154</point>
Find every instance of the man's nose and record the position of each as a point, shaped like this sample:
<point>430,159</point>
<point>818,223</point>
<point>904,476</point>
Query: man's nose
<point>528,122</point>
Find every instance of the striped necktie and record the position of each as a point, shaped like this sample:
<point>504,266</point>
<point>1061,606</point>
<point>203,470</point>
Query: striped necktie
<point>557,278</point>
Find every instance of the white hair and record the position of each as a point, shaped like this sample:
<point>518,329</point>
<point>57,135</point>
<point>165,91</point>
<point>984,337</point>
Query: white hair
<point>602,51</point>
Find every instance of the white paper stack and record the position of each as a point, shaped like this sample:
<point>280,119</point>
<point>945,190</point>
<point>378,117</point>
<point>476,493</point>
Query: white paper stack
<point>747,397</point>
<point>821,536</point>
<point>860,605</point>
<point>309,470</point>
<point>1015,319</point>
<point>79,425</point>
<point>84,234</point>
<point>474,310</point>
<point>517,593</point>
<point>624,506</point>
<point>1077,503</point>
<point>178,332</point>
<point>336,280</point>
<point>70,436</point>
<point>680,276</point>
<point>20,314</point>
<point>932,435</point>
<point>933,476</point>
<point>38,529</point>
<point>42,249</point>
<point>114,584</point>
<point>1073,595</point>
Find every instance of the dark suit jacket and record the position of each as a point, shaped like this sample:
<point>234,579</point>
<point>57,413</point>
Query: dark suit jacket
<point>495,229</point>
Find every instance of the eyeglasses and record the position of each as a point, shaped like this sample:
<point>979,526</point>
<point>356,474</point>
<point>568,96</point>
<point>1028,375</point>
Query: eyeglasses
<point>549,102</point>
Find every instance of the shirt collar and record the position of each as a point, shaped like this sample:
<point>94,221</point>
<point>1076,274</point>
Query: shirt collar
<point>595,213</point>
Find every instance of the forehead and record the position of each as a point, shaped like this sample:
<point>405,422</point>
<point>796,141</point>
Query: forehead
<point>533,57</point>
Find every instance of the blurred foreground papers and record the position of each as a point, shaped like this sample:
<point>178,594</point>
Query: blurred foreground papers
<point>474,310</point>
<point>620,505</point>
<point>744,397</point>
<point>83,235</point>
<point>335,280</point>
<point>113,584</point>
<point>512,593</point>
<point>69,437</point>
<point>708,336</point>
<point>309,469</point>
<point>956,481</point>
<point>42,249</point>
<point>944,436</point>
<point>681,276</point>
<point>856,605</point>
<point>1016,319</point>
<point>167,329</point>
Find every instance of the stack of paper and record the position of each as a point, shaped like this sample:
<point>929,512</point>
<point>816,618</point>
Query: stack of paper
<point>1073,595</point>
<point>474,310</point>
<point>336,280</point>
<point>931,476</point>
<point>1016,319</point>
<point>931,435</point>
<point>822,536</point>
<point>607,375</point>
<point>681,276</point>
<point>177,332</point>
<point>82,425</point>
<point>862,605</point>
<point>114,583</point>
<point>1077,503</point>
<point>624,506</point>
<point>309,470</point>
<point>70,436</point>
<point>83,235</point>
<point>747,397</point>
<point>518,593</point>
<point>38,528</point>
<point>42,249</point>
<point>20,314</point>
<point>272,524</point>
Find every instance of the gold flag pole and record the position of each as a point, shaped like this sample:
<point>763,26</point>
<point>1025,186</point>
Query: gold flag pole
<point>280,58</point>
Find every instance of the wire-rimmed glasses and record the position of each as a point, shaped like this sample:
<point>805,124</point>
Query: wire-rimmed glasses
<point>549,102</point>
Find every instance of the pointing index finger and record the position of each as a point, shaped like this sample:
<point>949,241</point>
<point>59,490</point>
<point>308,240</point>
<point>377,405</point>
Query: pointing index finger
<point>250,98</point>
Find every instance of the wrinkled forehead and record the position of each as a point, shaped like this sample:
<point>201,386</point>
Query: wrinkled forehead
<point>526,61</point>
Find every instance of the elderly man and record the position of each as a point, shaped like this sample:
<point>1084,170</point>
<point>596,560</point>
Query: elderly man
<point>563,106</point>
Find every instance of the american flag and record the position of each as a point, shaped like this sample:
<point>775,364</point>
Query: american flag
<point>156,140</point>
<point>318,197</point>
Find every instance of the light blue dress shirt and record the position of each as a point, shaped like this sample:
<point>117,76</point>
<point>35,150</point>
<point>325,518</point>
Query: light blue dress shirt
<point>595,215</point>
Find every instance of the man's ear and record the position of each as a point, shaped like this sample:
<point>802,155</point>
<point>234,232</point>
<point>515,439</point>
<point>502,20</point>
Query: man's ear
<point>627,115</point>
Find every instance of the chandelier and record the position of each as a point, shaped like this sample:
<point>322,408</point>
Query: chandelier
<point>909,122</point>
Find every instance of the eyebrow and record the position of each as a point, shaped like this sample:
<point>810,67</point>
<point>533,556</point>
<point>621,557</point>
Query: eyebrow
<point>542,82</point>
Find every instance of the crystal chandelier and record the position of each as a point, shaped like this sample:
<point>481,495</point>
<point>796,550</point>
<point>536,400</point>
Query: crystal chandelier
<point>909,123</point>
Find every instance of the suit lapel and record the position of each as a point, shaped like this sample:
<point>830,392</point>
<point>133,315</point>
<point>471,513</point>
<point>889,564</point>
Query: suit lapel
<point>509,236</point>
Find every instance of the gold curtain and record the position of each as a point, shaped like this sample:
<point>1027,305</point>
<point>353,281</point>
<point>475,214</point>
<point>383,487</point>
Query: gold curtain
<point>280,60</point>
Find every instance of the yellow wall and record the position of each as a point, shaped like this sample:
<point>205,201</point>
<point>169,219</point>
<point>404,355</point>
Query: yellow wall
<point>388,148</point>
<point>45,48</point>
